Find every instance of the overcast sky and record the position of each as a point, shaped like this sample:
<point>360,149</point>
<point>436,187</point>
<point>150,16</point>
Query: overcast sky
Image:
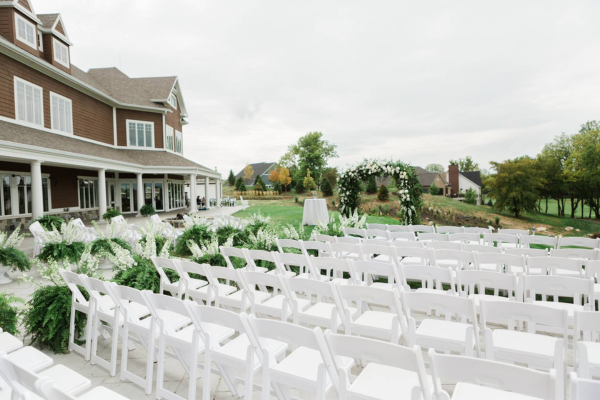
<point>422,82</point>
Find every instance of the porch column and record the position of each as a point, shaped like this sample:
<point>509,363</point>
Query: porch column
<point>140,194</point>
<point>218,191</point>
<point>193,206</point>
<point>206,196</point>
<point>101,193</point>
<point>37,191</point>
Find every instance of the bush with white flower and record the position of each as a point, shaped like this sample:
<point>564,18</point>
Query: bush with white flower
<point>336,223</point>
<point>10,255</point>
<point>409,189</point>
<point>64,245</point>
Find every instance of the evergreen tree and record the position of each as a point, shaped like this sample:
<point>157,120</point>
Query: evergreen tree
<point>371,185</point>
<point>231,178</point>
<point>434,190</point>
<point>299,187</point>
<point>384,193</point>
<point>309,181</point>
<point>277,187</point>
<point>258,180</point>
<point>242,187</point>
<point>238,183</point>
<point>326,187</point>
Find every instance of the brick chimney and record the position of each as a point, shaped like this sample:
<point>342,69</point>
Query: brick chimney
<point>453,179</point>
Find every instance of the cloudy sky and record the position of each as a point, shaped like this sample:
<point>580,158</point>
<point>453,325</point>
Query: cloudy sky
<point>422,82</point>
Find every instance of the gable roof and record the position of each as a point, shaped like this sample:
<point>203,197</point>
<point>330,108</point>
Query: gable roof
<point>428,178</point>
<point>473,176</point>
<point>259,169</point>
<point>48,20</point>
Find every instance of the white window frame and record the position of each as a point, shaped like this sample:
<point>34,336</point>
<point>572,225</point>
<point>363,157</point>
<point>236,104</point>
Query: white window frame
<point>172,101</point>
<point>52,122</point>
<point>40,41</point>
<point>34,86</point>
<point>178,135</point>
<point>170,134</point>
<point>58,44</point>
<point>127,122</point>
<point>24,39</point>
<point>91,193</point>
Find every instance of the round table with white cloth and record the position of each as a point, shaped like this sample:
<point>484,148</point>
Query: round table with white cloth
<point>315,210</point>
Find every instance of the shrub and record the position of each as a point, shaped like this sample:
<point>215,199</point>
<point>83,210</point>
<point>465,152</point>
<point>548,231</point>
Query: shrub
<point>242,187</point>
<point>102,246</point>
<point>470,196</point>
<point>258,181</point>
<point>62,251</point>
<point>197,234</point>
<point>223,233</point>
<point>231,178</point>
<point>49,221</point>
<point>159,240</point>
<point>238,182</point>
<point>326,187</point>
<point>277,187</point>
<point>383,194</point>
<point>14,258</point>
<point>434,190</point>
<point>47,315</point>
<point>111,213</point>
<point>371,185</point>
<point>142,276</point>
<point>295,199</point>
<point>300,187</point>
<point>309,182</point>
<point>147,210</point>
<point>9,314</point>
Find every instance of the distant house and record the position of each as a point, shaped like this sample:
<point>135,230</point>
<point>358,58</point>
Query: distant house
<point>462,181</point>
<point>263,169</point>
<point>426,179</point>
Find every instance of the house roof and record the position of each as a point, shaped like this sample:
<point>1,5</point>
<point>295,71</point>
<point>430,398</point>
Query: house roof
<point>426,179</point>
<point>15,133</point>
<point>48,20</point>
<point>259,169</point>
<point>420,170</point>
<point>473,176</point>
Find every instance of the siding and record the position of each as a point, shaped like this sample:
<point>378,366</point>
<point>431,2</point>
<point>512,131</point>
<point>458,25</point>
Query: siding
<point>60,29</point>
<point>20,44</point>
<point>92,119</point>
<point>48,53</point>
<point>174,119</point>
<point>25,4</point>
<point>124,115</point>
<point>7,23</point>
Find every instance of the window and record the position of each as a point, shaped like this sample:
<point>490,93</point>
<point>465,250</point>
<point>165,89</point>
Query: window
<point>172,101</point>
<point>88,193</point>
<point>28,102</point>
<point>61,53</point>
<point>140,134</point>
<point>176,195</point>
<point>62,115</point>
<point>40,41</point>
<point>178,142</point>
<point>25,31</point>
<point>170,138</point>
<point>15,194</point>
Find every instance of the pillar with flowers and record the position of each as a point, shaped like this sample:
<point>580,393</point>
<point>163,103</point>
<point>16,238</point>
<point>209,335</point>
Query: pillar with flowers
<point>410,190</point>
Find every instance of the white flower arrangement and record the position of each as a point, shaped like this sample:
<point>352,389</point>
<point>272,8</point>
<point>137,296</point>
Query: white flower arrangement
<point>120,257</point>
<point>69,233</point>
<point>195,219</point>
<point>114,230</point>
<point>12,241</point>
<point>264,239</point>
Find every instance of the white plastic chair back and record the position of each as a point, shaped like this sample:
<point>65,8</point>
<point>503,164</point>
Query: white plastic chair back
<point>578,241</point>
<point>556,266</point>
<point>402,236</point>
<point>520,232</point>
<point>285,262</point>
<point>592,270</point>
<point>481,248</point>
<point>349,240</point>
<point>468,281</point>
<point>430,277</point>
<point>586,332</point>
<point>228,252</point>
<point>382,227</point>
<point>354,231</point>
<point>252,256</point>
<point>528,240</point>
<point>514,313</point>
<point>378,252</point>
<point>449,229</point>
<point>580,290</point>
<point>378,234</point>
<point>118,219</point>
<point>176,288</point>
<point>288,243</point>
<point>370,271</point>
<point>500,262</point>
<point>345,250</point>
<point>583,389</point>
<point>427,237</point>
<point>216,275</point>
<point>587,254</point>
<point>527,252</point>
<point>493,374</point>
<point>192,286</point>
<point>444,245</point>
<point>465,238</point>
<point>398,228</point>
<point>412,255</point>
<point>422,228</point>
<point>420,245</point>
<point>334,268</point>
<point>325,238</point>
<point>501,239</point>
<point>321,248</point>
<point>474,229</point>
<point>21,380</point>
<point>455,259</point>
<point>322,292</point>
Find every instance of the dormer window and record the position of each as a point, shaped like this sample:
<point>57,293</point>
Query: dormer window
<point>40,41</point>
<point>26,31</point>
<point>172,101</point>
<point>61,53</point>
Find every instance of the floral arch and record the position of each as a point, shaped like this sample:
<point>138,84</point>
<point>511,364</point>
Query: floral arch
<point>409,189</point>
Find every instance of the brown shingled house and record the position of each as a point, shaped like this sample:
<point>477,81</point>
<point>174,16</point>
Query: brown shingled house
<point>79,142</point>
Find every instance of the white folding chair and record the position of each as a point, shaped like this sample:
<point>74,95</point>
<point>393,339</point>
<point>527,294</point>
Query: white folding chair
<point>520,232</point>
<point>382,227</point>
<point>583,389</point>
<point>527,347</point>
<point>501,240</point>
<point>362,320</point>
<point>431,278</point>
<point>578,241</point>
<point>325,238</point>
<point>37,230</point>
<point>465,238</point>
<point>412,255</point>
<point>176,288</point>
<point>231,299</point>
<point>304,369</point>
<point>290,262</point>
<point>474,229</point>
<point>357,232</point>
<point>370,273</point>
<point>454,259</point>
<point>197,289</point>
<point>449,229</point>
<point>378,252</point>
<point>412,243</point>
<point>289,244</point>
<point>389,371</point>
<point>484,379</point>
<point>403,237</point>
<point>432,237</point>
<point>335,268</point>
<point>230,253</point>
<point>51,391</point>
<point>267,258</point>
<point>481,248</point>
<point>325,308</point>
<point>422,228</point>
<point>320,248</point>
<point>377,234</point>
<point>448,334</point>
<point>586,254</point>
<point>78,304</point>
<point>444,245</point>
<point>350,240</point>
<point>398,228</point>
<point>501,262</point>
<point>468,281</point>
<point>278,304</point>
<point>573,267</point>
<point>237,354</point>
<point>345,251</point>
<point>592,271</point>
<point>527,252</point>
<point>586,344</point>
<point>549,241</point>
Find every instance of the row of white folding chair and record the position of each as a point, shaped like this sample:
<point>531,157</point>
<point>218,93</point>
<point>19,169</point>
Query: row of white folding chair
<point>428,228</point>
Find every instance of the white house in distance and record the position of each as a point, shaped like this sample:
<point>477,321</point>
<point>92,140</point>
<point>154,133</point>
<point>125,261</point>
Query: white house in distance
<point>462,181</point>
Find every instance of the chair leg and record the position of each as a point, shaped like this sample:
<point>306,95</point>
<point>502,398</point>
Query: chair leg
<point>266,383</point>
<point>72,325</point>
<point>124,351</point>
<point>207,370</point>
<point>113,350</point>
<point>249,380</point>
<point>150,362</point>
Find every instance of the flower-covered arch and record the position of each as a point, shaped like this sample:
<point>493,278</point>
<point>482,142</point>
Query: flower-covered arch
<point>409,189</point>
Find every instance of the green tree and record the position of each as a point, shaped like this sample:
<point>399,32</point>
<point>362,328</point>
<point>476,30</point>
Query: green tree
<point>470,196</point>
<point>516,185</point>
<point>309,182</point>
<point>331,175</point>
<point>435,168</point>
<point>231,178</point>
<point>258,181</point>
<point>584,164</point>
<point>299,187</point>
<point>465,164</point>
<point>383,194</point>
<point>371,185</point>
<point>311,152</point>
<point>238,183</point>
<point>242,187</point>
<point>326,187</point>
<point>434,190</point>
<point>552,165</point>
